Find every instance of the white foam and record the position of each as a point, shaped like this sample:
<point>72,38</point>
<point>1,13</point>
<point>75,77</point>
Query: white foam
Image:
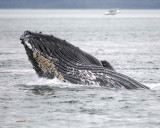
<point>43,81</point>
<point>153,86</point>
<point>56,83</point>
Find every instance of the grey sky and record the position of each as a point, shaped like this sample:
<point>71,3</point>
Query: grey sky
<point>84,4</point>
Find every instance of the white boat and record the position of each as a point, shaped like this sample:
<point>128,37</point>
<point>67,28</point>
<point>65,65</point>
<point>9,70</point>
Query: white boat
<point>112,12</point>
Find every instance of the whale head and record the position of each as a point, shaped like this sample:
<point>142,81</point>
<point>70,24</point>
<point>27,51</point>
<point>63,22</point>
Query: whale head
<point>49,55</point>
<point>38,48</point>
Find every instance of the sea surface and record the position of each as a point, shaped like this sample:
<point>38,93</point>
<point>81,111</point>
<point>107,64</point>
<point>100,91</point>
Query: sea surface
<point>130,41</point>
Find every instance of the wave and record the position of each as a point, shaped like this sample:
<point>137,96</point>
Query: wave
<point>153,86</point>
<point>36,81</point>
<point>56,83</point>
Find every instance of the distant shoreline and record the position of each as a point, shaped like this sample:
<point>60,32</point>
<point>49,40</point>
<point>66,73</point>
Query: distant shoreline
<point>78,8</point>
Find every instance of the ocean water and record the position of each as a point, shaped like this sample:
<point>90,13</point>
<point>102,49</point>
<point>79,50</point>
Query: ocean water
<point>130,41</point>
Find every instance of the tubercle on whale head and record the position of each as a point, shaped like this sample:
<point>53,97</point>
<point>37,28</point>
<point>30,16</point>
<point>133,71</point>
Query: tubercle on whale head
<point>35,40</point>
<point>24,35</point>
<point>24,39</point>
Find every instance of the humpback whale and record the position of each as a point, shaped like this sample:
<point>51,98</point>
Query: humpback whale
<point>53,57</point>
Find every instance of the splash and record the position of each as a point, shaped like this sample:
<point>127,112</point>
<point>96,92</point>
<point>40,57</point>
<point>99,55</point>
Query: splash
<point>57,83</point>
<point>43,81</point>
<point>153,86</point>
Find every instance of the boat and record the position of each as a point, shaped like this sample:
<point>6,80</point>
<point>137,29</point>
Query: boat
<point>112,12</point>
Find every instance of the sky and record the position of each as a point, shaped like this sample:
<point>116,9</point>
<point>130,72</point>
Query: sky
<point>81,4</point>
